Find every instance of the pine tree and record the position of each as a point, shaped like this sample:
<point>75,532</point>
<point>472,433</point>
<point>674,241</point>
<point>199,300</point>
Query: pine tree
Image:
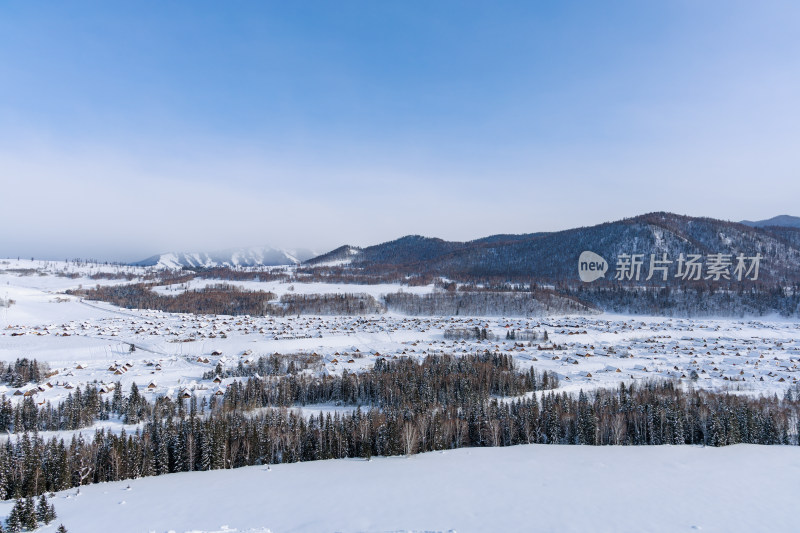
<point>14,520</point>
<point>205,451</point>
<point>42,508</point>
<point>61,529</point>
<point>29,520</point>
<point>134,399</point>
<point>4,473</point>
<point>117,399</point>
<point>51,514</point>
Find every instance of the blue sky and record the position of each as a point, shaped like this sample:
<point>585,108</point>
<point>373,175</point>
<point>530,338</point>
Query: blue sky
<point>130,128</point>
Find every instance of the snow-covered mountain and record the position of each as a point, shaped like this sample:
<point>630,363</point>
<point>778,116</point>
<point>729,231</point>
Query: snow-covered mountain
<point>246,257</point>
<point>553,256</point>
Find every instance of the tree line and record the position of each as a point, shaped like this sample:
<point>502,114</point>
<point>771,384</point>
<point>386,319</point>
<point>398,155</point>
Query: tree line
<point>268,365</point>
<point>220,299</point>
<point>694,300</point>
<point>648,414</point>
<point>349,304</point>
<point>400,406</point>
<point>81,408</point>
<point>23,371</point>
<point>485,303</point>
<point>225,299</point>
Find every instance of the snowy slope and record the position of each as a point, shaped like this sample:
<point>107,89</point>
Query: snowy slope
<point>343,255</point>
<point>524,488</point>
<point>246,257</point>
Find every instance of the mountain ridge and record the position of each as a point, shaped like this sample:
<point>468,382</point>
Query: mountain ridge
<point>553,255</point>
<point>783,221</point>
<point>546,256</point>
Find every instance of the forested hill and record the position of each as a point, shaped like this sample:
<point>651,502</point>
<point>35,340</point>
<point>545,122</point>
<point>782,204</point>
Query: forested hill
<point>554,256</point>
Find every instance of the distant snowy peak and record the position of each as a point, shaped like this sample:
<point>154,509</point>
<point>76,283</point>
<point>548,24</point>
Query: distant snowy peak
<point>242,257</point>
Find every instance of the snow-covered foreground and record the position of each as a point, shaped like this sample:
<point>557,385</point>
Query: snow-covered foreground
<point>523,488</point>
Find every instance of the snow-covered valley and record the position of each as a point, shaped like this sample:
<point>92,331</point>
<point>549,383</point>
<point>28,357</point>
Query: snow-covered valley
<point>90,342</point>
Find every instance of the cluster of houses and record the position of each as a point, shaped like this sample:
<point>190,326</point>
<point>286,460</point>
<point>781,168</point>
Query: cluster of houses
<point>51,384</point>
<point>593,350</point>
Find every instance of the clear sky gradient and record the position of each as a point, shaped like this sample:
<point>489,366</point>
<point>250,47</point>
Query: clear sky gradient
<point>131,128</point>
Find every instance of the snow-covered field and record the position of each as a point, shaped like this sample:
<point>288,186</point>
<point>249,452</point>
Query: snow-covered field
<point>742,488</point>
